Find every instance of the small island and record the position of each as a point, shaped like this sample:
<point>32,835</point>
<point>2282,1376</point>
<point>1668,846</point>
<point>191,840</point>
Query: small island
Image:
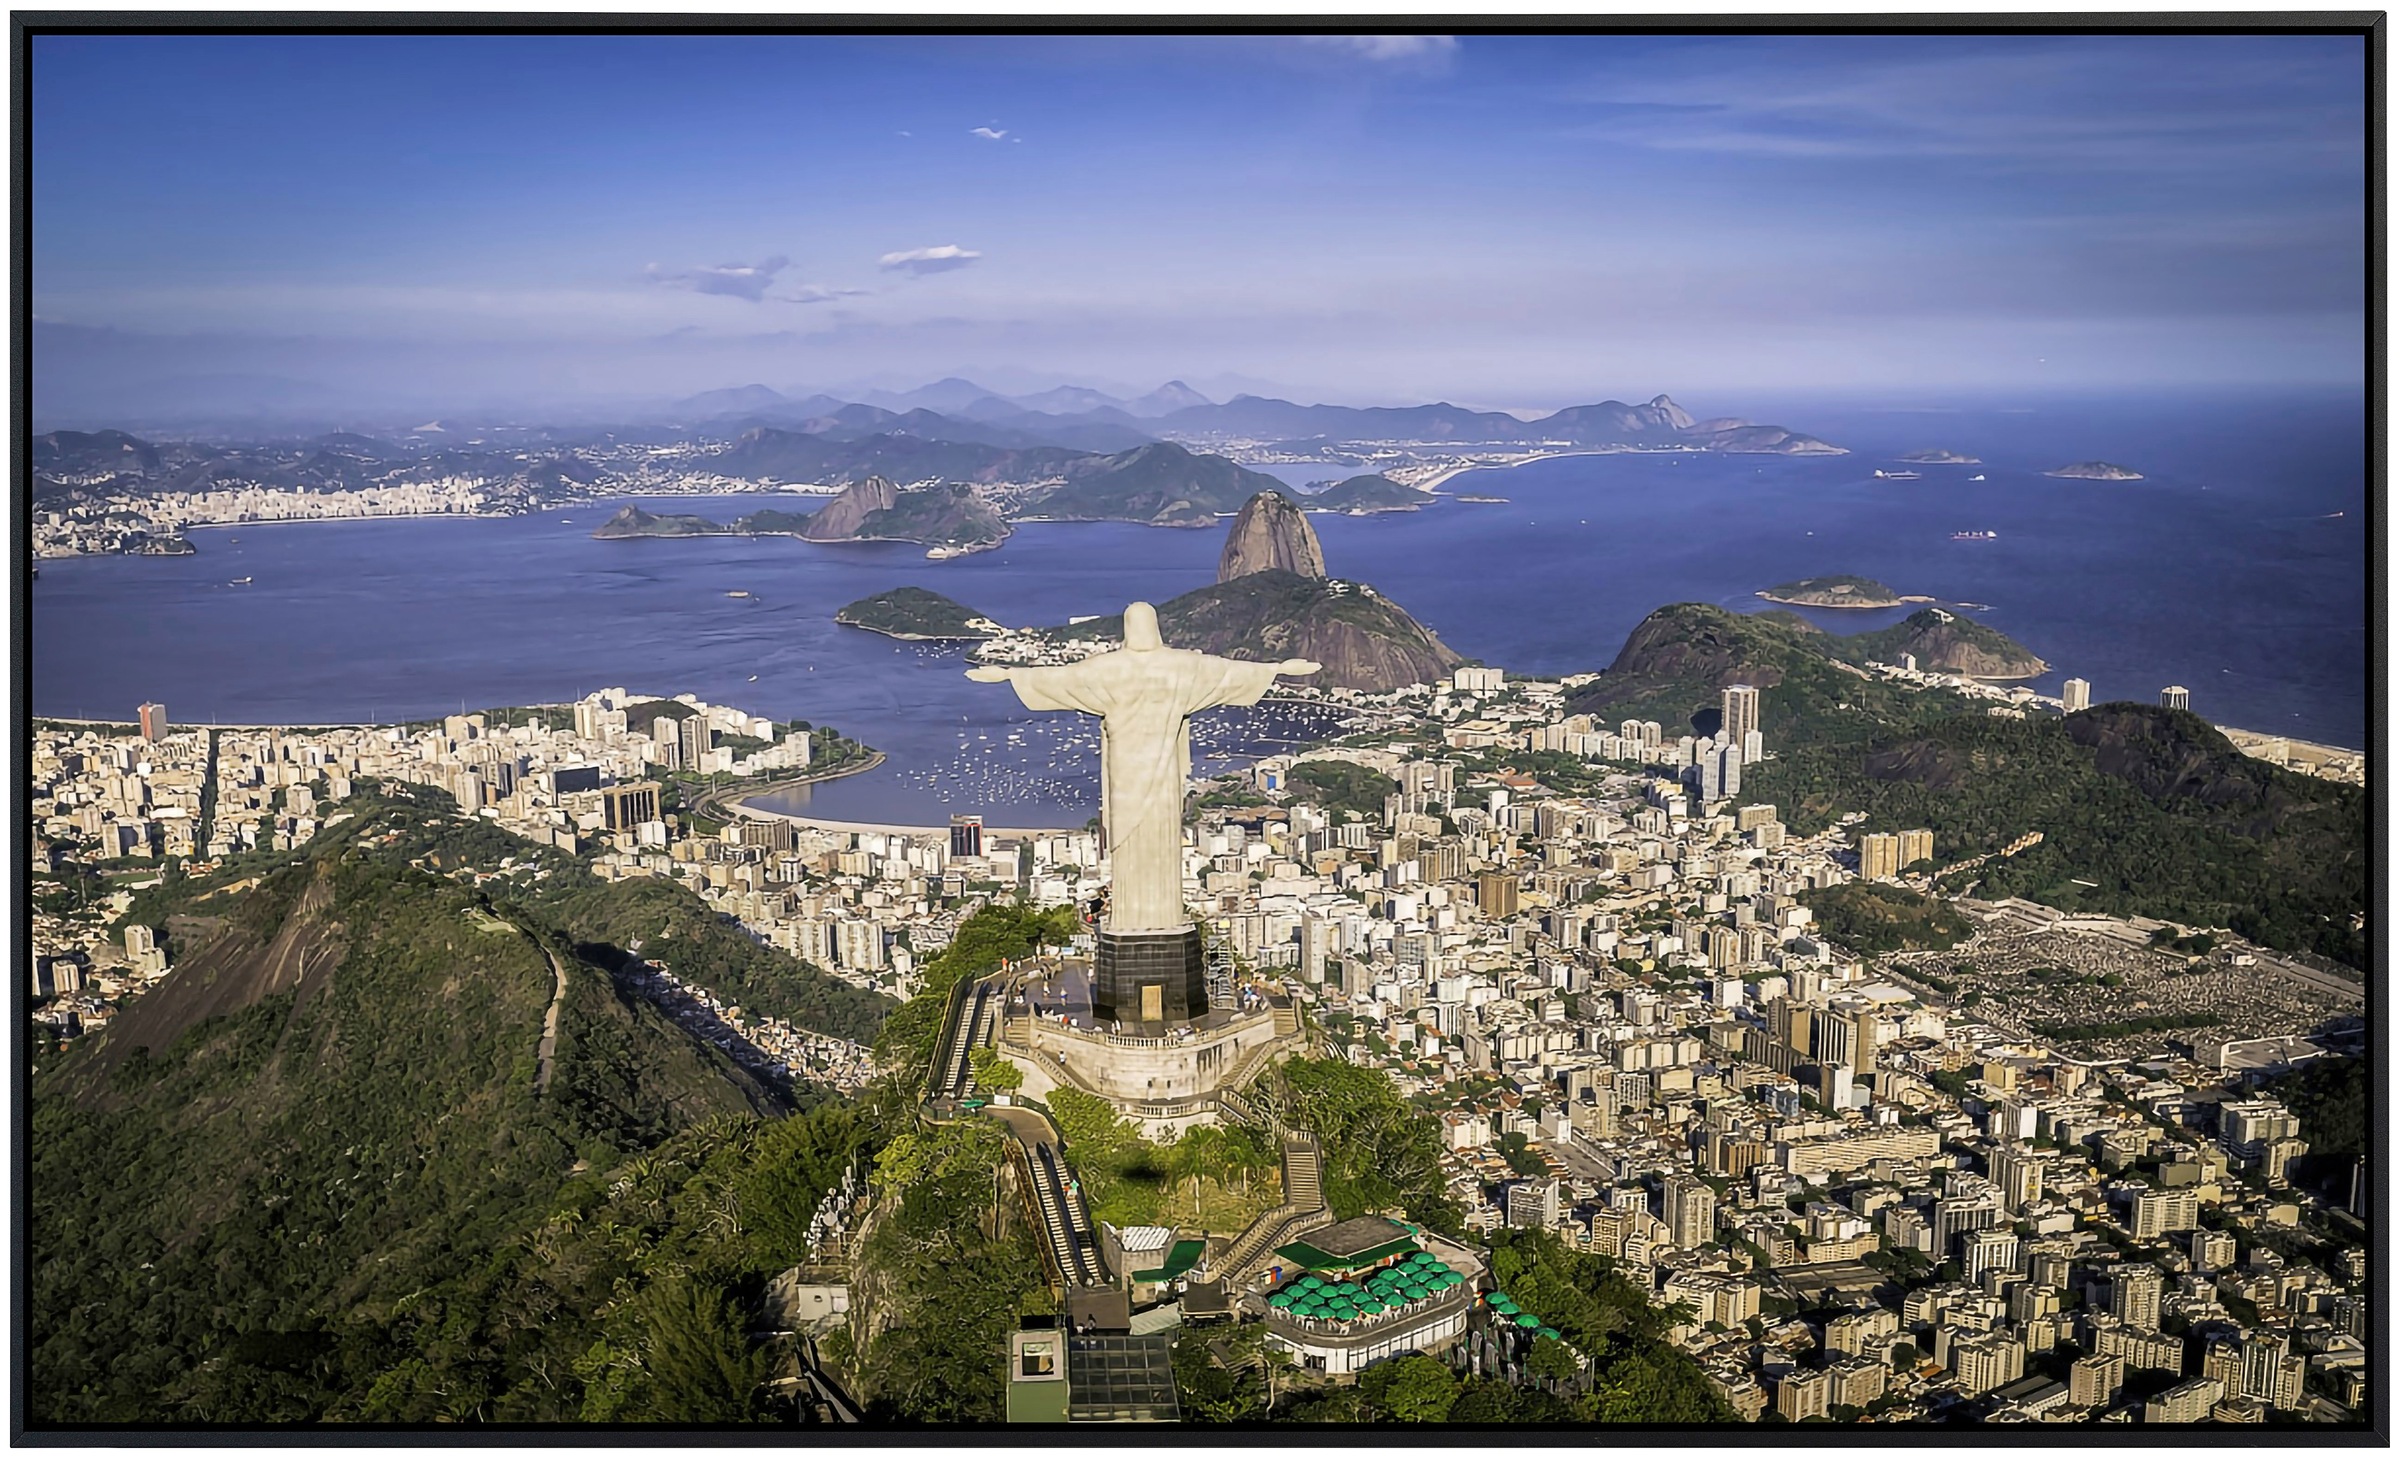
<point>1478,500</point>
<point>1361,495</point>
<point>1940,458</point>
<point>1840,590</point>
<point>2095,471</point>
<point>916,614</point>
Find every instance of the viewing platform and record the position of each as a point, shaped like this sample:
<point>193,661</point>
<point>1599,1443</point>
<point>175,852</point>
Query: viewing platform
<point>1165,1082</point>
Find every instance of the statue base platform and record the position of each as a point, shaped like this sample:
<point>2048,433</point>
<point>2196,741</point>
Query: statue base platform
<point>1165,1081</point>
<point>1149,980</point>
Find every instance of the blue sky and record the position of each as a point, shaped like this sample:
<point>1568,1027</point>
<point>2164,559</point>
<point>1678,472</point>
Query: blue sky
<point>1507,221</point>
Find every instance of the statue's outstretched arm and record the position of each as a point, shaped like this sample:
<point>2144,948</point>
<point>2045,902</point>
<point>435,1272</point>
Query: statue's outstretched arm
<point>1297,667</point>
<point>988,673</point>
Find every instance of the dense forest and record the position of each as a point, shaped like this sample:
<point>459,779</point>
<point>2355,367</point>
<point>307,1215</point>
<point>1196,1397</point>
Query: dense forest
<point>1870,917</point>
<point>350,1199</point>
<point>2137,818</point>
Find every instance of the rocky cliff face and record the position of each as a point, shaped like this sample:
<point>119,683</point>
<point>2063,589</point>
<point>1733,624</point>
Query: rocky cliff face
<point>1270,533</point>
<point>842,517</point>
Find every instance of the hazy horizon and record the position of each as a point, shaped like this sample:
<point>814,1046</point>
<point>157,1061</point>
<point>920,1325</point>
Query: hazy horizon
<point>328,225</point>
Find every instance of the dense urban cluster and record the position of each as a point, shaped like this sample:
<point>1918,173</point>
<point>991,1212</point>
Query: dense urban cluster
<point>2023,1177</point>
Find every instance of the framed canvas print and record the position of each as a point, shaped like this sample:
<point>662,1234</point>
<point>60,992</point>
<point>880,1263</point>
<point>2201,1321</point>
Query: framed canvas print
<point>1620,731</point>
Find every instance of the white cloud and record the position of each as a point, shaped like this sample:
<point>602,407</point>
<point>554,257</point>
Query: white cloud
<point>733,280</point>
<point>929,260</point>
<point>1418,49</point>
<point>989,134</point>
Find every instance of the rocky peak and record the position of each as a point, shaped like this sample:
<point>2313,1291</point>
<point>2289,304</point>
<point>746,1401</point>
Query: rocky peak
<point>1269,533</point>
<point>1674,413</point>
<point>841,517</point>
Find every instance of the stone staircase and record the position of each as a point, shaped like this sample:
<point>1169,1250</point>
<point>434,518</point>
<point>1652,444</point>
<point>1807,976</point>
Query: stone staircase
<point>1303,1173</point>
<point>1302,1210</point>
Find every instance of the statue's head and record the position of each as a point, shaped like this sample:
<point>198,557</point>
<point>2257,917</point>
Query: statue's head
<point>1141,628</point>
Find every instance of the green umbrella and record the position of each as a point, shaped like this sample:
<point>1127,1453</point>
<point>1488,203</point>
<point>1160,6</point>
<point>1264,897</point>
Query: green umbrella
<point>1312,1283</point>
<point>1528,1320</point>
<point>1373,1307</point>
<point>1502,1304</point>
<point>1550,1332</point>
<point>1280,1299</point>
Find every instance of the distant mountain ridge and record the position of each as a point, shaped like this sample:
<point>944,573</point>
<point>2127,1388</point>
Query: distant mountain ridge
<point>1168,446</point>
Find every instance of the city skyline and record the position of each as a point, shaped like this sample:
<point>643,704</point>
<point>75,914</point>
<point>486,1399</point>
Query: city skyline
<point>1513,222</point>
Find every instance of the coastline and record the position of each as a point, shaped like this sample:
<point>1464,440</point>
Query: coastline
<point>1845,603</point>
<point>840,621</point>
<point>1432,485</point>
<point>201,526</point>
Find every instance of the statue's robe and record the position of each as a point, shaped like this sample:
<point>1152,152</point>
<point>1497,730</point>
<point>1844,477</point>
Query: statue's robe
<point>1145,699</point>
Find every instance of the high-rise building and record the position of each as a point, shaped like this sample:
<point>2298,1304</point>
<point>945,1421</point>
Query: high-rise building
<point>1739,705</point>
<point>1803,1394</point>
<point>2159,1212</point>
<point>1989,1250</point>
<point>1496,893</point>
<point>2186,1402</point>
<point>2212,1250</point>
<point>2095,1381</point>
<point>2017,1174</point>
<point>1878,856</point>
<point>154,721</point>
<point>2270,1371</point>
<point>2133,1295</point>
<point>694,734</point>
<point>1961,1215</point>
<point>1533,1205</point>
<point>966,837</point>
<point>2076,695</point>
<point>1689,1209</point>
<point>1915,846</point>
<point>626,806</point>
<point>2175,696</point>
<point>1990,1361</point>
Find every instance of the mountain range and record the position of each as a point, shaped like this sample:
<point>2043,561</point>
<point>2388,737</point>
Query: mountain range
<point>1173,439</point>
<point>960,410</point>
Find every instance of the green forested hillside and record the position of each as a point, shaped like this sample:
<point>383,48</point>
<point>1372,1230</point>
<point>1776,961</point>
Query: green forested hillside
<point>230,1226</point>
<point>1677,661</point>
<point>1867,917</point>
<point>336,1191</point>
<point>607,920</point>
<point>2138,815</point>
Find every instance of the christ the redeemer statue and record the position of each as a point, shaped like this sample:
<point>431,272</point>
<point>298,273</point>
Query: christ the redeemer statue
<point>1145,695</point>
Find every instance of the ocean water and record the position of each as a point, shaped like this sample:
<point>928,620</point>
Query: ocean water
<point>2227,570</point>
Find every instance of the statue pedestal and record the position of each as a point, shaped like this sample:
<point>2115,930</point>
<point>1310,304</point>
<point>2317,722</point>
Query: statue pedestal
<point>1149,979</point>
